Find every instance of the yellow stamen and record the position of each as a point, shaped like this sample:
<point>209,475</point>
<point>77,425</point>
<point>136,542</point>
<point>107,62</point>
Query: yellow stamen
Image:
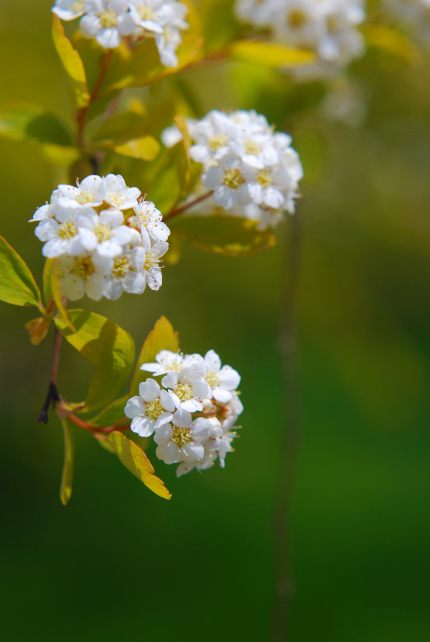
<point>83,267</point>
<point>67,230</point>
<point>233,178</point>
<point>181,436</point>
<point>121,267</point>
<point>217,141</point>
<point>264,178</point>
<point>184,391</point>
<point>107,19</point>
<point>153,409</point>
<point>296,19</point>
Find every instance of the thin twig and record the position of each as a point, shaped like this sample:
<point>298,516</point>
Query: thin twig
<point>187,206</point>
<point>95,429</point>
<point>52,395</point>
<point>291,438</point>
<point>82,113</point>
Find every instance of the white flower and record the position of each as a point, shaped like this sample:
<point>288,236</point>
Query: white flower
<point>89,192</point>
<point>47,210</point>
<point>105,232</point>
<point>106,21</point>
<point>224,441</point>
<point>222,380</point>
<point>61,234</point>
<point>212,137</point>
<point>126,274</point>
<point>151,221</point>
<point>152,260</point>
<point>168,361</point>
<point>69,9</point>
<point>84,274</point>
<point>184,441</point>
<point>150,410</point>
<point>117,194</point>
<point>188,387</point>
<point>228,182</point>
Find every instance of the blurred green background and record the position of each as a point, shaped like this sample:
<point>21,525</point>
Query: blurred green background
<point>119,563</point>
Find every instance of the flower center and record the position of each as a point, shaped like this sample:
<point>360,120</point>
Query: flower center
<point>212,379</point>
<point>150,262</point>
<point>251,148</point>
<point>121,267</point>
<point>67,230</point>
<point>107,19</point>
<point>332,24</point>
<point>217,141</point>
<point>232,178</point>
<point>174,366</point>
<point>83,267</point>
<point>184,391</point>
<point>153,409</point>
<point>103,232</point>
<point>264,178</point>
<point>116,199</point>
<point>146,13</point>
<point>297,19</point>
<point>85,197</point>
<point>181,436</point>
<point>77,6</point>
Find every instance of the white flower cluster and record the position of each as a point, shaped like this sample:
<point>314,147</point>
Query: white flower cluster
<point>192,413</point>
<point>326,27</point>
<point>107,238</point>
<point>414,14</point>
<point>109,20</point>
<point>253,172</point>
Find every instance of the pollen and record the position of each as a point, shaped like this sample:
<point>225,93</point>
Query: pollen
<point>233,178</point>
<point>107,19</point>
<point>116,199</point>
<point>67,230</point>
<point>154,409</point>
<point>85,197</point>
<point>150,262</point>
<point>252,148</point>
<point>217,141</point>
<point>184,391</point>
<point>212,379</point>
<point>264,178</point>
<point>181,436</point>
<point>121,267</point>
<point>296,19</point>
<point>83,267</point>
<point>102,232</point>
<point>78,6</point>
<point>146,13</point>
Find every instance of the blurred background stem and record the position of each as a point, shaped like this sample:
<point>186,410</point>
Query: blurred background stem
<point>284,588</point>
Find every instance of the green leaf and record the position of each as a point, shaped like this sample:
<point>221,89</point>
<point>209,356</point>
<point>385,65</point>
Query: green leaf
<point>38,329</point>
<point>391,41</point>
<point>47,290</point>
<point>67,476</point>
<point>57,295</point>
<point>72,63</point>
<point>223,234</point>
<point>144,67</point>
<point>112,414</point>
<point>120,128</point>
<point>137,462</point>
<point>165,173</point>
<point>17,284</point>
<point>33,123</point>
<point>270,54</point>
<point>105,345</point>
<point>162,337</point>
<point>145,148</point>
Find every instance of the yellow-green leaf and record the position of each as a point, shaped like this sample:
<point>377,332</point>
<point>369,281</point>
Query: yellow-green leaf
<point>72,63</point>
<point>17,284</point>
<point>223,234</point>
<point>145,148</point>
<point>38,329</point>
<point>57,295</point>
<point>270,54</point>
<point>105,345</point>
<point>67,476</point>
<point>112,414</point>
<point>162,337</point>
<point>144,67</point>
<point>391,41</point>
<point>33,123</point>
<point>47,290</point>
<point>137,462</point>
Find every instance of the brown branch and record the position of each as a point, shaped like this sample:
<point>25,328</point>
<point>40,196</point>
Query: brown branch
<point>82,113</point>
<point>94,429</point>
<point>52,395</point>
<point>187,206</point>
<point>291,437</point>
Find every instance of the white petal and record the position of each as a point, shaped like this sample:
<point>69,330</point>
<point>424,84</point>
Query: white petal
<point>149,390</point>
<point>134,407</point>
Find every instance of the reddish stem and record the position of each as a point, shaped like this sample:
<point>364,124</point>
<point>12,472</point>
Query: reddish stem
<point>187,206</point>
<point>95,429</point>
